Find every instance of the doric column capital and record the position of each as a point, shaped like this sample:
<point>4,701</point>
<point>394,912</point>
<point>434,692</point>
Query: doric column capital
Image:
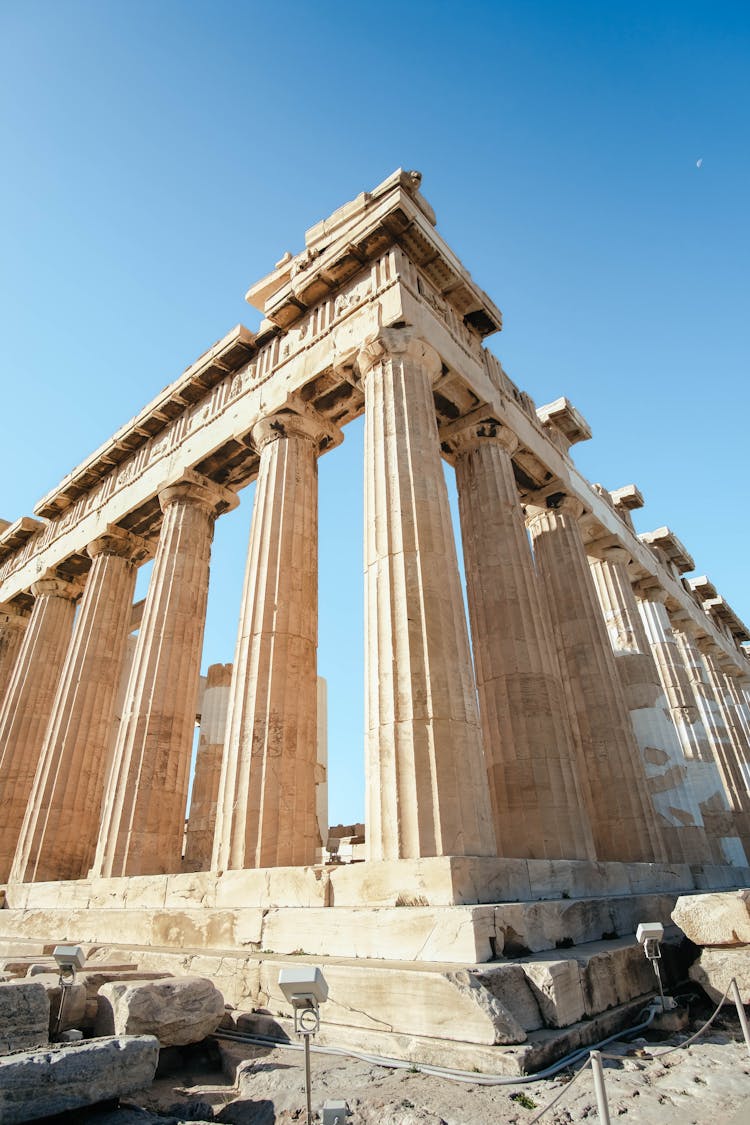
<point>389,343</point>
<point>49,586</point>
<point>467,434</point>
<point>117,541</point>
<point>542,509</point>
<point>707,645</point>
<point>193,488</point>
<point>12,617</point>
<point>684,623</point>
<point>649,590</point>
<point>607,549</point>
<point>301,421</point>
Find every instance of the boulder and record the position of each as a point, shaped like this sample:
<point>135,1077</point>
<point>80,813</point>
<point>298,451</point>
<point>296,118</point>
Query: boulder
<point>36,1084</point>
<point>715,919</point>
<point>178,1010</point>
<point>24,1016</point>
<point>715,968</point>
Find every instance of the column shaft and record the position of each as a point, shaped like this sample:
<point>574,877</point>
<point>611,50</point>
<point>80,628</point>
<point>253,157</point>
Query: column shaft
<point>28,704</point>
<point>667,771</point>
<point>144,808</point>
<point>266,815</point>
<point>701,722</point>
<point>199,835</point>
<point>426,778</point>
<point>60,829</point>
<point>537,802</point>
<point>621,813</point>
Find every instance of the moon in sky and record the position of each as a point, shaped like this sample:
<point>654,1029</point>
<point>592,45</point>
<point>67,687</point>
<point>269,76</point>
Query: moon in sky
<point>699,162</point>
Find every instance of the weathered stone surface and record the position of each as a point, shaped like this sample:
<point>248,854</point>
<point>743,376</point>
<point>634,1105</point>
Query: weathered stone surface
<point>556,986</point>
<point>24,1016</point>
<point>715,919</point>
<point>177,1011</point>
<point>41,1083</point>
<point>404,1000</point>
<point>458,934</point>
<point>715,968</point>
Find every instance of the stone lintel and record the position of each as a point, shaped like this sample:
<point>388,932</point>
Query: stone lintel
<point>229,354</point>
<point>563,417</point>
<point>627,498</point>
<point>354,235</point>
<point>665,540</point>
<point>702,587</point>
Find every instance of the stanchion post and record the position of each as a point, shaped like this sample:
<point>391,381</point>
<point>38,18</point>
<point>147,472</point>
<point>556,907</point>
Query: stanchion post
<point>741,1013</point>
<point>599,1087</point>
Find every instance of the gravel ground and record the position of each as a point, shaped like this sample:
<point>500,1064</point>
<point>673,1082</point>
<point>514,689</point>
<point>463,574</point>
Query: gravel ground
<point>708,1082</point>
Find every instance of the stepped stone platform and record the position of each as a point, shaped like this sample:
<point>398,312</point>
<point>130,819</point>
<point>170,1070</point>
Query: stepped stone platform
<point>439,974</point>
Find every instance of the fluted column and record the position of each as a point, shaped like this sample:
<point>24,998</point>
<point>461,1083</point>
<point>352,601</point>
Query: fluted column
<point>12,628</point>
<point>28,704</point>
<point>621,813</point>
<point>537,801</point>
<point>426,779</point>
<point>266,815</point>
<point>724,812</point>
<point>199,835</point>
<point>60,829</point>
<point>731,744</point>
<point>144,809</point>
<point>735,704</point>
<point>667,770</point>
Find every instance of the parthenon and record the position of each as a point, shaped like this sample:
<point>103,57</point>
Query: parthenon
<point>585,733</point>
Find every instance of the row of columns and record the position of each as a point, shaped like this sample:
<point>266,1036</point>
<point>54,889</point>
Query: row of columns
<point>574,735</point>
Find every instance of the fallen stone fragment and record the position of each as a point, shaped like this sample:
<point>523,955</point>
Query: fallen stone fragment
<point>715,968</point>
<point>178,1010</point>
<point>38,1084</point>
<point>715,919</point>
<point>24,1016</point>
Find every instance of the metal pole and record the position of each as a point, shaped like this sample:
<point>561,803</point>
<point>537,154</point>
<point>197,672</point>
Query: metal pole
<point>658,977</point>
<point>741,1013</point>
<point>308,1083</point>
<point>599,1088</point>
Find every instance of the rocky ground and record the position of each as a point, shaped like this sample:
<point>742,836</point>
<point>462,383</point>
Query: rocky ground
<point>709,1082</point>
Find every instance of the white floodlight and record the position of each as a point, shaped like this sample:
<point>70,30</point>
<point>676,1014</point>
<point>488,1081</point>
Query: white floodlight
<point>69,959</point>
<point>649,931</point>
<point>304,986</point>
<point>650,934</point>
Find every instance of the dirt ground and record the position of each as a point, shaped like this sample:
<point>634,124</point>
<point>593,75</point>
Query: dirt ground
<point>709,1082</point>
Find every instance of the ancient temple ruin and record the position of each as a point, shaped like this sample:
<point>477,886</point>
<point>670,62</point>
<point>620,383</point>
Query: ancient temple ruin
<point>584,737</point>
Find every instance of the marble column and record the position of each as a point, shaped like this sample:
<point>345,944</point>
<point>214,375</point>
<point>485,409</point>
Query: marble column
<point>539,811</point>
<point>426,779</point>
<point>736,704</point>
<point>199,836</point>
<point>13,625</point>
<point>266,815</point>
<point>732,744</point>
<point>28,704</point>
<point>665,765</point>
<point>724,813</point>
<point>60,829</point>
<point>621,812</point>
<point>143,816</point>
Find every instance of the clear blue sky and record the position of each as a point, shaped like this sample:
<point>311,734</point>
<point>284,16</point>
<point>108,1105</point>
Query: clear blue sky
<point>158,157</point>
